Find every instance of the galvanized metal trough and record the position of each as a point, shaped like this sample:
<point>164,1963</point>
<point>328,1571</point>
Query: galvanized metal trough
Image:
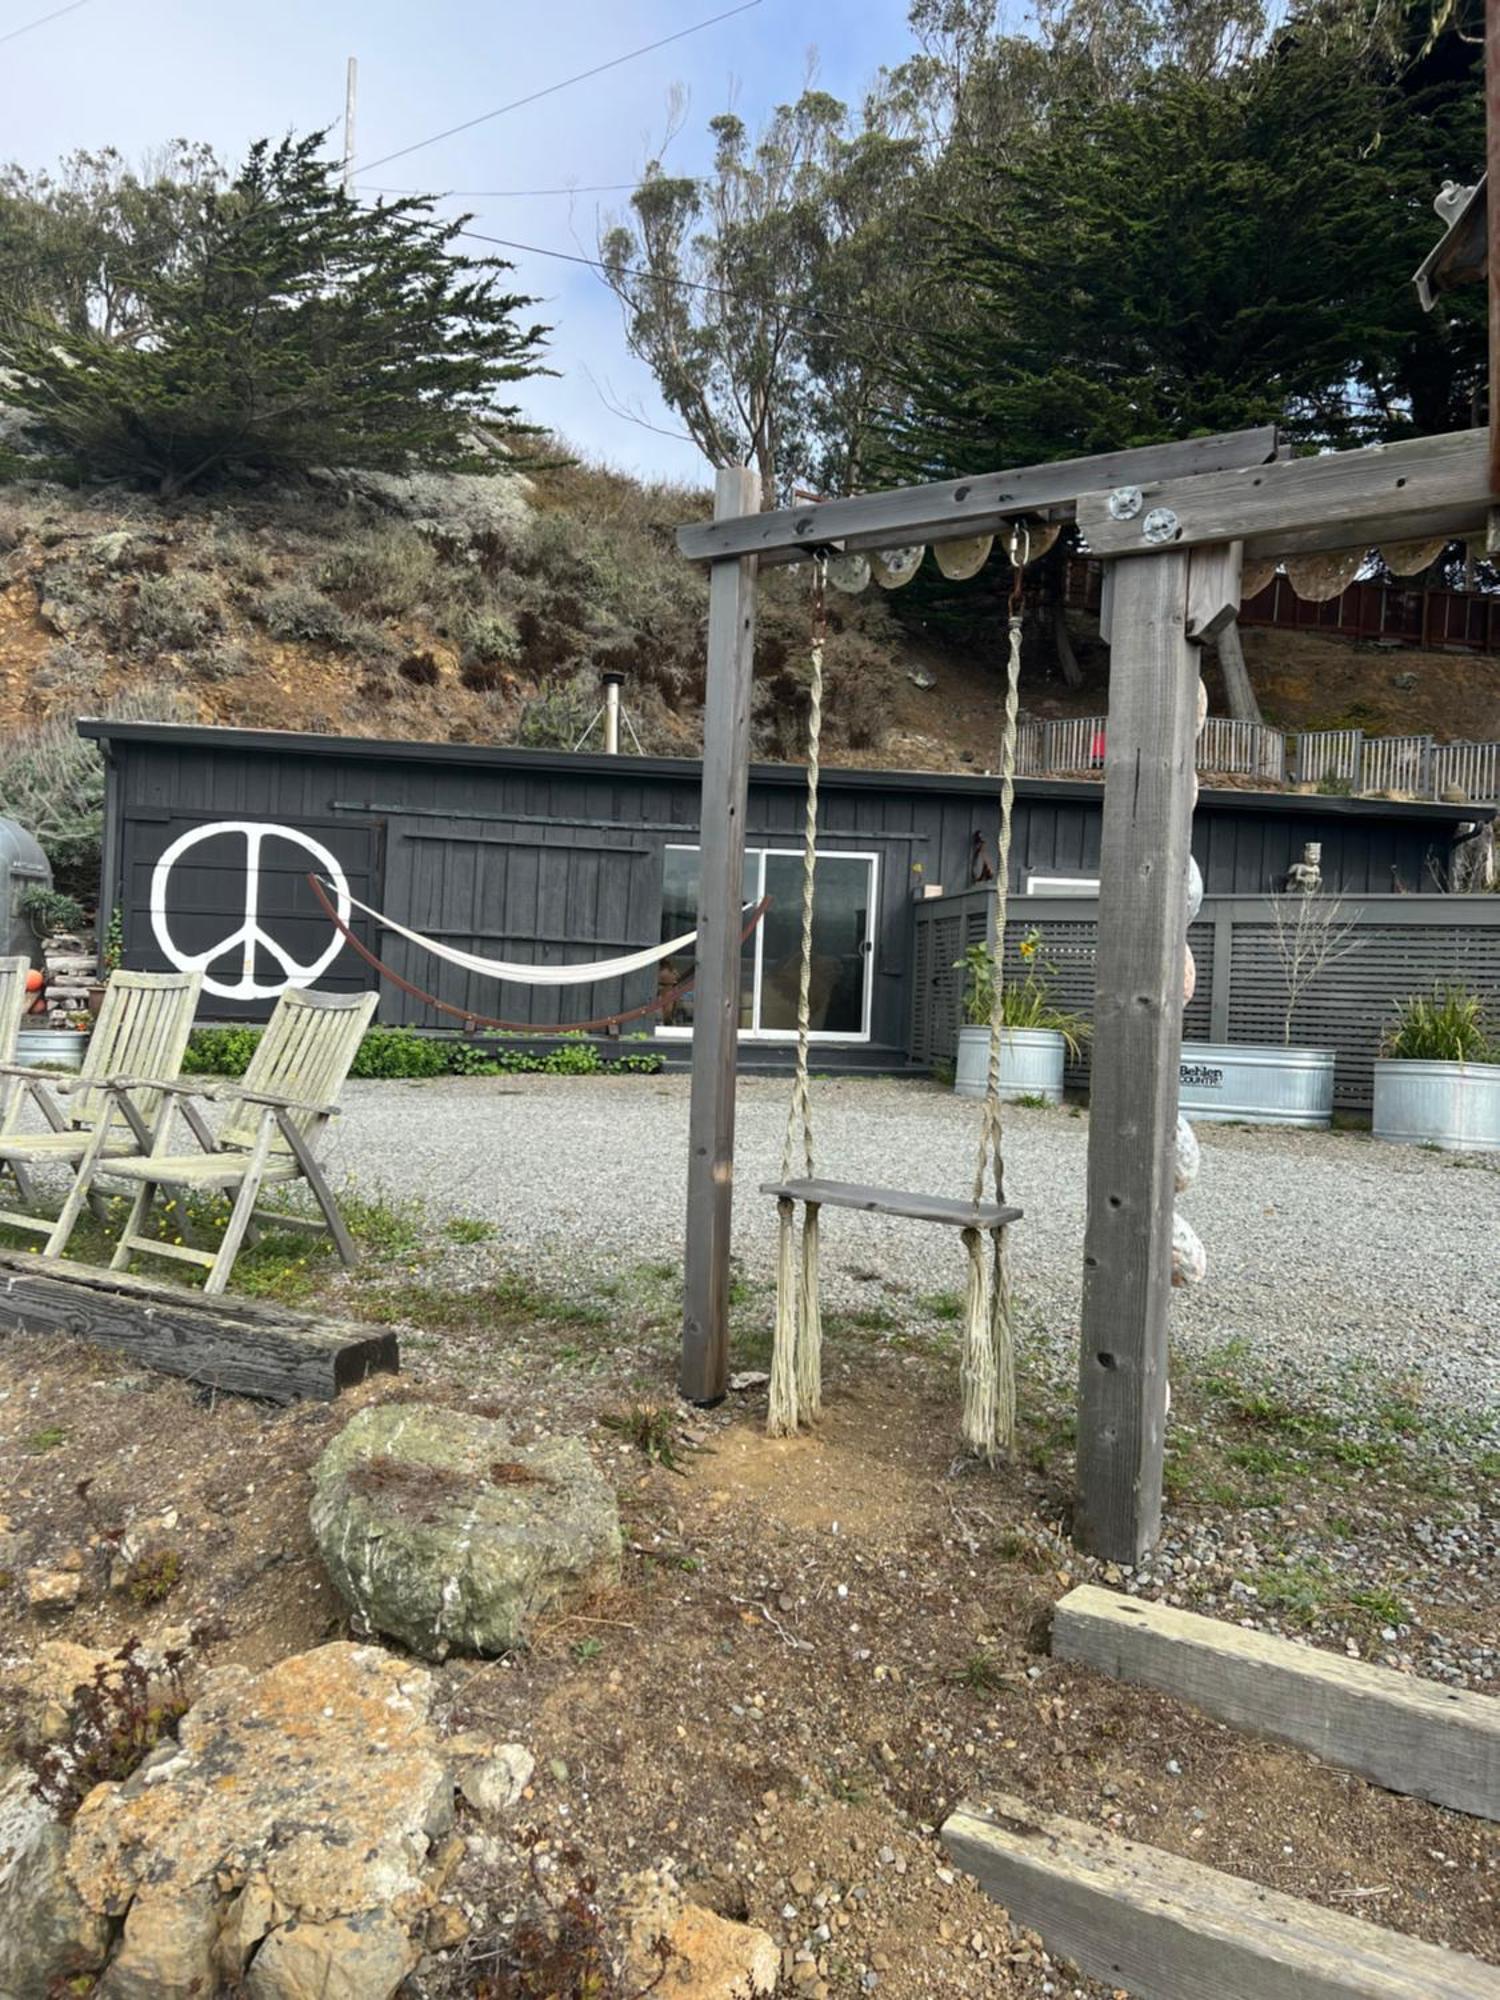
<point>1256,1084</point>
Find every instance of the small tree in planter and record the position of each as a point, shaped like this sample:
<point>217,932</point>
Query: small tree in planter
<point>1437,1082</point>
<point>1039,1037</point>
<point>1309,934</point>
<point>1270,1083</point>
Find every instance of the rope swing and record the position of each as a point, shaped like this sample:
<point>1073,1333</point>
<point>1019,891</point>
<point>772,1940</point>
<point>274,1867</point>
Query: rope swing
<point>796,1391</point>
<point>987,1367</point>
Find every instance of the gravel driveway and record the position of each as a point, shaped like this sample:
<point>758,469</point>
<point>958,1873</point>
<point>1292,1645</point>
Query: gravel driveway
<point>1324,1248</point>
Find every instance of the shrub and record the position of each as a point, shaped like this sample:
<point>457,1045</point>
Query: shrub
<point>220,1051</point>
<point>558,716</point>
<point>489,637</point>
<point>402,1052</point>
<point>1450,1024</point>
<point>175,611</point>
<point>391,571</point>
<point>399,1052</point>
<point>297,611</point>
<point>49,910</point>
<point>52,783</point>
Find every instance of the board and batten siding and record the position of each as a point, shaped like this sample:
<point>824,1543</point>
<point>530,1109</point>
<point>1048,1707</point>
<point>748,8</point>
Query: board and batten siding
<point>538,855</point>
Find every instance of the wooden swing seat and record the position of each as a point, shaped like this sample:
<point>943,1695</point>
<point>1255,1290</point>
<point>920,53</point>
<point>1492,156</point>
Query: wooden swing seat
<point>895,1202</point>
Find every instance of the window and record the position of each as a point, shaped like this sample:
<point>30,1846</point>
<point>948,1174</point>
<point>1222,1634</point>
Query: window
<point>771,957</point>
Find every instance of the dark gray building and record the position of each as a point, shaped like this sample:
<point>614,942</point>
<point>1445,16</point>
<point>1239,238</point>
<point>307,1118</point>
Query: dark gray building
<point>543,857</point>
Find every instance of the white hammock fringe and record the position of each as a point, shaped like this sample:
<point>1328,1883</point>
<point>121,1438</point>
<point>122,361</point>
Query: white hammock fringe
<point>538,975</point>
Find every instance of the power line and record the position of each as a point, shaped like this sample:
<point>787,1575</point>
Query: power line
<point>551,89</point>
<point>43,19</point>
<point>504,194</point>
<point>703,285</point>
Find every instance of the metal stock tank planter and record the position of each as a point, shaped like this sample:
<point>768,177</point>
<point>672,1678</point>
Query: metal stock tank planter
<point>1455,1105</point>
<point>1267,1085</point>
<point>1031,1063</point>
<point>1438,1080</point>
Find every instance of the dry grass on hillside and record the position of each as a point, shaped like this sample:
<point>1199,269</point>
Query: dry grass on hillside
<point>448,609</point>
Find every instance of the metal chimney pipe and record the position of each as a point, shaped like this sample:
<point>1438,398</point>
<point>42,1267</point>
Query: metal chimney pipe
<point>612,682</point>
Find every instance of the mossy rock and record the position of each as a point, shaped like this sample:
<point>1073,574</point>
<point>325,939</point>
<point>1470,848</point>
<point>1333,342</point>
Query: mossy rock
<point>439,1531</point>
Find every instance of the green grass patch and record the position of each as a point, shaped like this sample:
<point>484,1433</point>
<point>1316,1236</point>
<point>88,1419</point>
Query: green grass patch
<point>468,1229</point>
<point>942,1305</point>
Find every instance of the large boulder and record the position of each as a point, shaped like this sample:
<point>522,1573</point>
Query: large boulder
<point>440,1532</point>
<point>292,1837</point>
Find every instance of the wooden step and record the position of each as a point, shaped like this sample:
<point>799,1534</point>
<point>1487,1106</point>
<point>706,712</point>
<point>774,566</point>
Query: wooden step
<point>1409,1735</point>
<point>1167,1929</point>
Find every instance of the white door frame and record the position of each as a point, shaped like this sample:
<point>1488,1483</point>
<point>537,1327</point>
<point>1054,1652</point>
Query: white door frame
<point>755,860</point>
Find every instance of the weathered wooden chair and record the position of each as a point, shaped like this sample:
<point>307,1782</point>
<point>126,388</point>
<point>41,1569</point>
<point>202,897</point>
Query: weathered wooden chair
<point>287,1096</point>
<point>13,999</point>
<point>142,1031</point>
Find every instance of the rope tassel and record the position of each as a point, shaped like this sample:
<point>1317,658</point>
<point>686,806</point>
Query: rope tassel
<point>781,1420</point>
<point>809,1370</point>
<point>1003,1346</point>
<point>977,1367</point>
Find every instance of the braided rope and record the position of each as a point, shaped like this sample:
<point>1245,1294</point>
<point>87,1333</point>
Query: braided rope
<point>800,1109</point>
<point>988,1370</point>
<point>797,1346</point>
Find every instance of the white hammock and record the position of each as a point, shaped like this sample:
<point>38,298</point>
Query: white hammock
<point>535,975</point>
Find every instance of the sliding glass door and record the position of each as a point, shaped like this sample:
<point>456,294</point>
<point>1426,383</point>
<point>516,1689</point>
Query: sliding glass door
<point>770,959</point>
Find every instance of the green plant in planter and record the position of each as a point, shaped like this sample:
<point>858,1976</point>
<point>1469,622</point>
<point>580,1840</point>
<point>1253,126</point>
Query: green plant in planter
<point>49,910</point>
<point>1450,1024</point>
<point>1025,1002</point>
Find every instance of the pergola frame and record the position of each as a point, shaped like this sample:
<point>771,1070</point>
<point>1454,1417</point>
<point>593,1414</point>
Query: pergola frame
<point>1174,523</point>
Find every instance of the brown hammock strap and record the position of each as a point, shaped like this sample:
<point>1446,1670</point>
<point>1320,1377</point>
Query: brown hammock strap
<point>472,1020</point>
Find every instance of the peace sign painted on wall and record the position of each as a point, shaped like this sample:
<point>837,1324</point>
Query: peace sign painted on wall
<point>249,935</point>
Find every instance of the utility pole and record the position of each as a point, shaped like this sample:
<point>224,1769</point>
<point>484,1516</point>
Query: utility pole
<point>351,91</point>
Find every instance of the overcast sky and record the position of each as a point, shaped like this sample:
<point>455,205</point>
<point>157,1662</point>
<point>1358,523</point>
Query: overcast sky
<point>133,73</point>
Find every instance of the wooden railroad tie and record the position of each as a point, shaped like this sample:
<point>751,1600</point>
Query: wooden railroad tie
<point>1167,1929</point>
<point>242,1347</point>
<point>1408,1734</point>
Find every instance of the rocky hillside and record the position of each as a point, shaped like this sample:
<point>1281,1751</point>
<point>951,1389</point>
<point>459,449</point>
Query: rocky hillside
<point>484,610</point>
<point>453,609</point>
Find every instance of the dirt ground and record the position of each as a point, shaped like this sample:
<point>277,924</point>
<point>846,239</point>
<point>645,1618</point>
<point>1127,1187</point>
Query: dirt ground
<point>818,1647</point>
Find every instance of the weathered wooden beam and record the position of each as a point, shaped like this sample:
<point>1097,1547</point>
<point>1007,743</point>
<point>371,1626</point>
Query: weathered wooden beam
<point>958,507</point>
<point>1127,1263</point>
<point>1343,499</point>
<point>1407,1734</point>
<point>716,1002</point>
<point>1166,1929</point>
<point>1214,588</point>
<point>239,1346</point>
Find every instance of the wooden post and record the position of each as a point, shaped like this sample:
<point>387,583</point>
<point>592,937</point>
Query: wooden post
<point>1127,1276</point>
<point>1492,221</point>
<point>716,998</point>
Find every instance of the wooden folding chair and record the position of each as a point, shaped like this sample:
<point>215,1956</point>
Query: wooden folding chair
<point>289,1093</point>
<point>13,999</point>
<point>142,1031</point>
